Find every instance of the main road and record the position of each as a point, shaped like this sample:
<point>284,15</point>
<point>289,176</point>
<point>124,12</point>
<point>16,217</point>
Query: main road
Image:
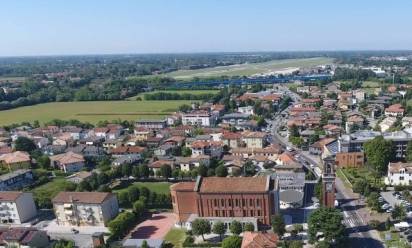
<point>355,215</point>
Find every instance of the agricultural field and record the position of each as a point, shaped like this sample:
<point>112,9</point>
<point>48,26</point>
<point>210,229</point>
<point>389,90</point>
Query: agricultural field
<point>92,112</point>
<point>280,66</point>
<point>12,79</point>
<point>194,92</point>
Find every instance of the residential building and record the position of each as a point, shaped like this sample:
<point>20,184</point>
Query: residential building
<point>188,163</point>
<point>387,123</point>
<point>198,118</point>
<point>349,159</point>
<point>259,240</point>
<point>79,177</point>
<point>254,139</point>
<point>235,119</point>
<point>231,140</point>
<point>395,110</point>
<point>23,237</point>
<point>151,124</point>
<point>16,160</point>
<point>249,199</point>
<point>68,162</point>
<point>399,174</point>
<point>211,148</point>
<point>85,208</point>
<point>16,207</point>
<point>16,180</point>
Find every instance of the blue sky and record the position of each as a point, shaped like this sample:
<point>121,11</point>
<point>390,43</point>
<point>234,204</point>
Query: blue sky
<point>50,27</point>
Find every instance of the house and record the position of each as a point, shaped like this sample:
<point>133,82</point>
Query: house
<point>16,207</point>
<point>151,124</point>
<point>188,163</point>
<point>126,159</point>
<point>68,162</point>
<point>387,123</point>
<point>16,160</point>
<point>85,208</point>
<point>332,130</point>
<point>259,240</point>
<point>254,139</point>
<point>246,110</point>
<point>399,174</point>
<point>231,139</point>
<point>211,148</point>
<point>16,180</point>
<point>23,237</point>
<point>155,166</point>
<point>101,132</point>
<point>164,150</point>
<point>318,147</point>
<point>269,151</point>
<point>79,177</point>
<point>395,110</point>
<point>142,133</point>
<point>354,121</point>
<point>350,159</point>
<point>286,158</point>
<point>127,150</point>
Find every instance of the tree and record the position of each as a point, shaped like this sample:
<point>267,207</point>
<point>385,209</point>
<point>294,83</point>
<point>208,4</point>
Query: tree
<point>379,152</point>
<point>200,227</point>
<point>221,171</point>
<point>186,151</point>
<point>139,208</point>
<point>249,168</point>
<point>24,144</point>
<point>398,213</point>
<point>202,170</point>
<point>144,244</point>
<point>235,227</point>
<point>166,171</point>
<point>329,222</point>
<point>294,131</point>
<point>359,186</point>
<point>64,244</point>
<point>373,201</point>
<point>232,242</point>
<point>84,186</point>
<point>249,227</point>
<point>123,198</point>
<point>133,193</point>
<point>144,171</point>
<point>44,161</point>
<point>409,152</point>
<point>126,170</point>
<point>210,172</point>
<point>175,173</point>
<point>219,229</point>
<point>278,225</point>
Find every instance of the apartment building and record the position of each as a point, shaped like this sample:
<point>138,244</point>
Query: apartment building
<point>198,118</point>
<point>16,207</point>
<point>399,174</point>
<point>85,208</point>
<point>16,180</point>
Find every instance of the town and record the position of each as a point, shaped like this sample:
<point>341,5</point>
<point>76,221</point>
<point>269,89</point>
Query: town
<point>258,164</point>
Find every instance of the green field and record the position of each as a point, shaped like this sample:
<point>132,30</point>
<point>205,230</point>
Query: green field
<point>250,69</point>
<point>158,187</point>
<point>370,84</point>
<point>90,111</point>
<point>12,79</point>
<point>50,189</point>
<point>194,92</point>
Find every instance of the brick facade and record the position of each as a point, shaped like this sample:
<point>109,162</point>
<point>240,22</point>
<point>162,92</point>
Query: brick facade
<point>350,159</point>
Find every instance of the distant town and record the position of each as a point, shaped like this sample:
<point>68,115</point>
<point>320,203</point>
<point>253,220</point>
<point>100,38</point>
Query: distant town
<point>214,150</point>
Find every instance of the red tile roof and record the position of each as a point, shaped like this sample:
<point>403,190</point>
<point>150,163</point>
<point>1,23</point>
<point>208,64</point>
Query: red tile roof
<point>82,197</point>
<point>233,184</point>
<point>259,240</point>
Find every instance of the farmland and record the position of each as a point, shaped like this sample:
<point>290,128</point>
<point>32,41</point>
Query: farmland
<point>92,111</point>
<point>250,69</point>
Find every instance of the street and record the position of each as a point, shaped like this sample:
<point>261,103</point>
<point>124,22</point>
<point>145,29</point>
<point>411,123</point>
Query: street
<point>360,234</point>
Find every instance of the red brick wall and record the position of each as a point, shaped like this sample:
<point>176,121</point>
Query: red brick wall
<point>184,204</point>
<point>350,159</point>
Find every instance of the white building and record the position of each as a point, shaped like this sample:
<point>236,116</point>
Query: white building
<point>85,208</point>
<point>16,207</point>
<point>387,123</point>
<point>199,118</point>
<point>291,188</point>
<point>399,174</point>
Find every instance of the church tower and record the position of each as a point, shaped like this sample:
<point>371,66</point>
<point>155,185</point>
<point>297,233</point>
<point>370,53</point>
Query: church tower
<point>328,183</point>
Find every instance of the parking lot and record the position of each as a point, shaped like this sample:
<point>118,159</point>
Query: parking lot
<point>391,199</point>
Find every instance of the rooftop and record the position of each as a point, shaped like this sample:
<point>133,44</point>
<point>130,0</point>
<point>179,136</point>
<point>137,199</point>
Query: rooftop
<point>82,197</point>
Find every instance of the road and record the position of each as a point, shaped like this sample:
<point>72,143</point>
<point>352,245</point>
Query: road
<point>360,234</point>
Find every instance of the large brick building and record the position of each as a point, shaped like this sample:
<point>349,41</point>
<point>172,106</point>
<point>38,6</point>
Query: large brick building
<point>247,199</point>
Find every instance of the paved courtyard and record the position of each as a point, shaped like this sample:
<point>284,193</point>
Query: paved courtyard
<point>155,227</point>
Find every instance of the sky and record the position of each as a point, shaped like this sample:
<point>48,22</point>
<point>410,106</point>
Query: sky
<point>61,27</point>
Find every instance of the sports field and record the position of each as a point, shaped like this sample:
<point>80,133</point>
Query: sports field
<point>90,111</point>
<point>283,65</point>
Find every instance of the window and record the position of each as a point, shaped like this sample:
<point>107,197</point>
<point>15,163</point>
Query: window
<point>243,203</point>
<point>401,178</point>
<point>216,212</point>
<point>258,213</point>
<point>258,202</point>
<point>251,212</point>
<point>229,202</point>
<point>237,202</point>
<point>222,202</point>
<point>250,202</point>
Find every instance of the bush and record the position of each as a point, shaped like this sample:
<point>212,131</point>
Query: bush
<point>232,242</point>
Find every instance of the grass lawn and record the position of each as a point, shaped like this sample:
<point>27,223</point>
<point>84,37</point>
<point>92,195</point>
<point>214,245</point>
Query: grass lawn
<point>158,187</point>
<point>343,177</point>
<point>250,69</point>
<point>194,92</point>
<point>354,174</point>
<point>92,112</point>
<point>396,240</point>
<point>50,189</point>
<point>370,84</point>
<point>176,237</point>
